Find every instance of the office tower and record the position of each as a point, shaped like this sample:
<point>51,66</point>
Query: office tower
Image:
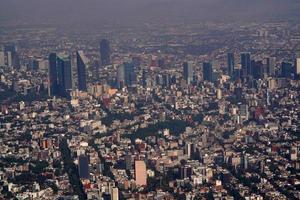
<point>128,162</point>
<point>129,75</point>
<point>159,79</point>
<point>144,78</point>
<point>140,173</point>
<point>81,70</point>
<point>120,76</point>
<point>286,70</point>
<point>244,111</point>
<point>207,71</point>
<point>2,58</point>
<point>53,78</point>
<point>185,172</point>
<point>9,59</point>
<point>257,69</point>
<point>230,64</point>
<point>246,64</point>
<point>64,75</point>
<point>166,80</point>
<point>35,65</point>
<point>10,48</point>
<point>83,167</point>
<point>245,161</point>
<point>271,62</point>
<point>190,150</point>
<point>188,72</point>
<point>105,52</point>
<point>115,193</point>
<point>238,93</point>
<point>298,66</point>
<point>12,56</point>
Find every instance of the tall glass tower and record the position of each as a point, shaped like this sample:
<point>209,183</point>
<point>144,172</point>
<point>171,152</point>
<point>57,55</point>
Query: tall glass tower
<point>81,70</point>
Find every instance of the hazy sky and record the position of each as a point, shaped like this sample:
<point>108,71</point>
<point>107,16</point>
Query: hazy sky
<point>99,11</point>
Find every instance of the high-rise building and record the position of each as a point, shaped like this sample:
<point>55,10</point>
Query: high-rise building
<point>81,70</point>
<point>2,58</point>
<point>298,66</point>
<point>140,173</point>
<point>188,72</point>
<point>64,75</point>
<point>190,150</point>
<point>12,56</point>
<point>207,72</point>
<point>257,69</point>
<point>128,162</point>
<point>115,193</point>
<point>286,70</point>
<point>105,52</point>
<point>53,78</point>
<point>120,76</point>
<point>144,78</point>
<point>9,59</point>
<point>185,172</point>
<point>230,64</point>
<point>129,75</point>
<point>246,64</point>
<point>271,62</point>
<point>166,80</point>
<point>83,167</point>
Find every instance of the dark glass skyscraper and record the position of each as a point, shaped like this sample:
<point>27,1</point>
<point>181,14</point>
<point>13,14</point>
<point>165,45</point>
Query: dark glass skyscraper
<point>81,70</point>
<point>286,70</point>
<point>129,75</point>
<point>12,55</point>
<point>83,167</point>
<point>105,52</point>
<point>207,71</point>
<point>271,63</point>
<point>120,76</point>
<point>188,72</point>
<point>246,64</point>
<point>230,64</point>
<point>53,77</point>
<point>257,69</point>
<point>64,75</point>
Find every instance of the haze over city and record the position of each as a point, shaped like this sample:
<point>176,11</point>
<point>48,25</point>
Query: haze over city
<point>150,99</point>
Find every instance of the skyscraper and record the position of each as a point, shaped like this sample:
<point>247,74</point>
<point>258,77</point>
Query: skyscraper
<point>115,193</point>
<point>105,52</point>
<point>286,70</point>
<point>64,75</point>
<point>2,58</point>
<point>144,78</point>
<point>81,70</point>
<point>9,57</point>
<point>12,55</point>
<point>246,64</point>
<point>207,71</point>
<point>120,76</point>
<point>298,66</point>
<point>230,64</point>
<point>271,62</point>
<point>140,173</point>
<point>257,69</point>
<point>83,167</point>
<point>188,72</point>
<point>53,82</point>
<point>129,75</point>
